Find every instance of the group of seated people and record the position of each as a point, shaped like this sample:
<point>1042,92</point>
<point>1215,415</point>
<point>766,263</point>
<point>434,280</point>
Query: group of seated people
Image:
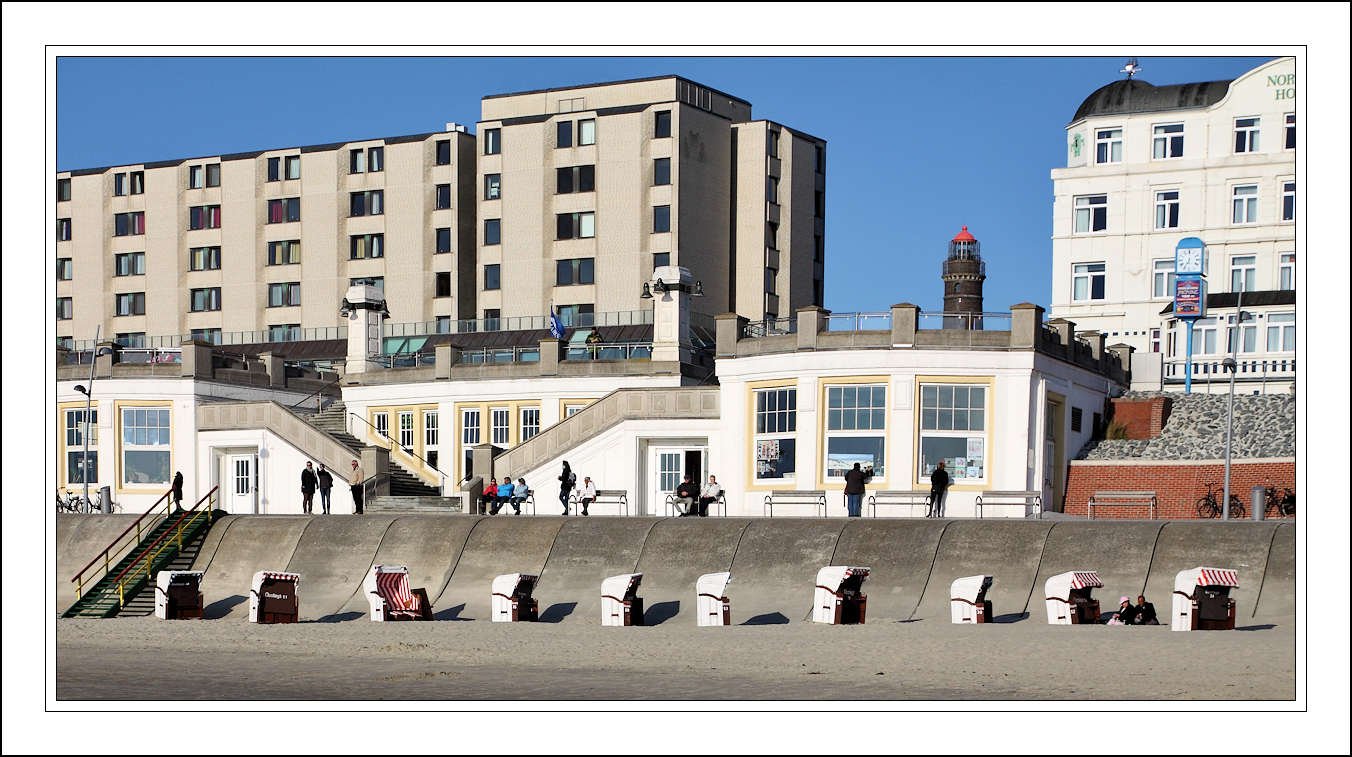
<point>687,493</point>
<point>1140,614</point>
<point>496,495</point>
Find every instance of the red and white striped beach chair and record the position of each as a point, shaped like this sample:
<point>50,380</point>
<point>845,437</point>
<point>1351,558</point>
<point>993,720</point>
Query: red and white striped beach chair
<point>1202,599</point>
<point>1070,600</point>
<point>387,590</point>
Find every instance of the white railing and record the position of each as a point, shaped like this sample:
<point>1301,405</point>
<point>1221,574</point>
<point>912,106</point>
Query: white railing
<point>859,322</point>
<point>966,321</point>
<point>1247,369</point>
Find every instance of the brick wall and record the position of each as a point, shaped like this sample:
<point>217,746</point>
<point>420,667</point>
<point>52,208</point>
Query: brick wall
<point>1177,484</point>
<point>1144,418</point>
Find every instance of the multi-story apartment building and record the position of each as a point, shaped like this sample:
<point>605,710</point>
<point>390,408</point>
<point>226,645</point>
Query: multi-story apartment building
<point>266,242</point>
<point>585,190</point>
<point>1148,166</point>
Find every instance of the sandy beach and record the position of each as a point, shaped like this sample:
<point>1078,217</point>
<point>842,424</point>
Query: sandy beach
<point>930,659</point>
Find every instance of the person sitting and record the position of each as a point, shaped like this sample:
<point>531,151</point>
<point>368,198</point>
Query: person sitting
<point>1125,613</point>
<point>1145,613</point>
<point>519,494</point>
<point>504,494</point>
<point>707,495</point>
<point>686,496</point>
<point>588,493</point>
<point>489,495</point>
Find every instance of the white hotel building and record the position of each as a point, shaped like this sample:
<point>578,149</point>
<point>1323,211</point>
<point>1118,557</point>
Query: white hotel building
<point>1148,166</point>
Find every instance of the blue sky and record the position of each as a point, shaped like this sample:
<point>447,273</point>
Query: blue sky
<point>917,147</point>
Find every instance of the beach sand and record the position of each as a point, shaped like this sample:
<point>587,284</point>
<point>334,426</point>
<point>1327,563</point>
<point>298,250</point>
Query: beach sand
<point>150,659</point>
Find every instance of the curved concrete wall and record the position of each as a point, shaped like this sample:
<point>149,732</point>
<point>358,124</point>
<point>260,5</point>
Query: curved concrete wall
<point>774,562</point>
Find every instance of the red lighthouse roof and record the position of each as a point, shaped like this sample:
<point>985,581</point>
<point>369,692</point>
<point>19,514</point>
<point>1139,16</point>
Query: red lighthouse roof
<point>963,236</point>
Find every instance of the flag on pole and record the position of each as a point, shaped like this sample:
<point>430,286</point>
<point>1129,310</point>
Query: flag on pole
<point>555,325</point>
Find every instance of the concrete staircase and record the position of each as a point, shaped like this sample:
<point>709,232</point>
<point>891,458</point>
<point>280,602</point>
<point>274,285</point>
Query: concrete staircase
<point>407,492</point>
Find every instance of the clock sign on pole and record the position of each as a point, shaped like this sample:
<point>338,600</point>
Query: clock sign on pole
<point>1189,293</point>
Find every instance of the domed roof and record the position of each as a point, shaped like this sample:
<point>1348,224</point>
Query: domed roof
<point>1137,96</point>
<point>964,236</point>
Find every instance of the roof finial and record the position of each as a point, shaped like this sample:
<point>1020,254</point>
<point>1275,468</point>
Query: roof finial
<point>1132,68</point>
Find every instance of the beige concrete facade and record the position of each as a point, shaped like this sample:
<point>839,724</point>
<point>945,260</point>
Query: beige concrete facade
<point>324,187</point>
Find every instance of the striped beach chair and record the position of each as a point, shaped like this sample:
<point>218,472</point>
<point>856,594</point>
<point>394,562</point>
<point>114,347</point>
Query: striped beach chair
<point>388,592</point>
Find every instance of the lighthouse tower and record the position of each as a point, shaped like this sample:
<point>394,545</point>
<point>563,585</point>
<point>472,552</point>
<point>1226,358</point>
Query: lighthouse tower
<point>964,273</point>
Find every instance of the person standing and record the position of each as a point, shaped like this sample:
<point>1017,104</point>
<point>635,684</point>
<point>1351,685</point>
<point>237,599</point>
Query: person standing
<point>854,491</point>
<point>567,481</point>
<point>178,490</point>
<point>938,483</point>
<point>325,487</point>
<point>593,343</point>
<point>356,479</point>
<point>308,482</point>
<point>588,493</point>
<point>686,496</point>
<point>707,495</point>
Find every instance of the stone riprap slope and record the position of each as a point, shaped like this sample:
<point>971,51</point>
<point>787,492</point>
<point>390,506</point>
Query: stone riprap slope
<point>1265,426</point>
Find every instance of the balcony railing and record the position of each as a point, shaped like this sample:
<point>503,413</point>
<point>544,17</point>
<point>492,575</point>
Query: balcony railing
<point>523,323</point>
<point>770,327</point>
<point>966,321</point>
<point>267,336</point>
<point>859,322</point>
<point>501,355</point>
<point>134,355</point>
<point>1247,369</point>
<point>612,351</point>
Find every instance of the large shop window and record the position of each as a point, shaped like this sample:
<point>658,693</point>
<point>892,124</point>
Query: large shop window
<point>953,431</point>
<point>856,426</point>
<point>145,445</point>
<point>75,431</point>
<point>776,423</point>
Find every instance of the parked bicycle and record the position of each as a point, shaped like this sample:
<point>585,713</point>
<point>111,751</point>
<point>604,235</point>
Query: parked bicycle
<point>1208,506</point>
<point>68,504</point>
<point>1281,502</point>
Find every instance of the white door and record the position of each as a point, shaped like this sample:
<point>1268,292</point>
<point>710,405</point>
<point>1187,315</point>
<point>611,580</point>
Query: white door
<point>669,467</point>
<point>1049,458</point>
<point>240,471</point>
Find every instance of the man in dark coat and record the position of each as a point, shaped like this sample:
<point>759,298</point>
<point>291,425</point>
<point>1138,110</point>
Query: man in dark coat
<point>325,486</point>
<point>1145,613</point>
<point>567,481</point>
<point>938,483</point>
<point>178,490</point>
<point>308,482</point>
<point>854,490</point>
<point>686,496</point>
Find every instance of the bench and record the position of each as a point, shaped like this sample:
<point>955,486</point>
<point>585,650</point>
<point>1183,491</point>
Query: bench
<point>618,497</point>
<point>794,497</point>
<point>1123,499</point>
<point>911,498</point>
<point>984,498</point>
<point>721,501</point>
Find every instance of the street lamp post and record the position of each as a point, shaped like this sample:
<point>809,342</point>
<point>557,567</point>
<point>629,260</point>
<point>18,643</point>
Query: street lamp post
<point>89,396</point>
<point>1232,365</point>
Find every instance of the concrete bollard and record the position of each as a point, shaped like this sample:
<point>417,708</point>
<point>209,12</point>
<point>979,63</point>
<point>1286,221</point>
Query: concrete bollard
<point>1257,501</point>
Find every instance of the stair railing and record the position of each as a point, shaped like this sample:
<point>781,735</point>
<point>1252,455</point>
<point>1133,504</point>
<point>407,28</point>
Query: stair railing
<point>109,555</point>
<point>319,404</point>
<point>393,448</point>
<point>174,534</point>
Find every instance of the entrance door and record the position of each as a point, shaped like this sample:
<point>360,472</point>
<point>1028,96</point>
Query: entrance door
<point>1049,464</point>
<point>240,469</point>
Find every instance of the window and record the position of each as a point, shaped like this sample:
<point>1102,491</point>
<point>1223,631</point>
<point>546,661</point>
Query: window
<point>284,211</point>
<point>443,152</point>
<point>212,336</point>
<point>773,143</point>
<point>1281,332</point>
<point>138,182</point>
<point>854,409</point>
<point>63,190</point>
<point>195,177</point>
<point>119,185</point>
<point>1154,340</point>
<point>1164,278</point>
<point>431,433</point>
<point>204,259</point>
<point>1171,341</point>
<point>493,186</point>
<point>1091,214</point>
<point>818,249</point>
<point>772,189</point>
<point>491,318</point>
<point>284,295</point>
<point>661,171</point>
<point>819,203</point>
<point>443,285</point>
<point>443,240</point>
<point>818,296</point>
<point>376,281</point>
<point>1108,146</point>
<point>492,276</point>
<point>776,425</point>
<point>125,224</point>
<point>131,303</point>
<point>364,246</point>
<point>575,179</point>
<point>213,174</point>
<point>1205,335</point>
<point>1288,201</point>
<point>661,124</point>
<point>576,226</point>
<point>292,166</point>
<point>1245,205</point>
<point>443,196</point>
<point>502,424</point>
<point>204,217</point>
<point>368,203</point>
<point>1242,273</point>
<point>586,132</point>
<point>63,308</point>
<point>129,264</point>
<point>284,332</point>
<point>1089,281</point>
<point>577,315</point>
<point>76,428</point>
<point>953,430</point>
<point>661,219</point>
<point>145,445</point>
<point>63,229</point>
<point>274,169</point>
<point>577,271</point>
<point>772,236</point>
<point>493,231</point>
<point>406,430</point>
<point>357,162</point>
<point>1290,131</point>
<point>131,339</point>
<point>469,427</point>
<point>1246,135</point>
<point>65,269</point>
<point>1248,336</point>
<point>492,145</point>
<point>530,422</point>
<point>1288,271</point>
<point>367,160</point>
<point>206,299</point>
<point>382,423</point>
<point>284,253</point>
<point>564,131</point>
<point>1168,142</point>
<point>769,281</point>
<point>570,410</point>
<point>1166,210</point>
<point>661,259</point>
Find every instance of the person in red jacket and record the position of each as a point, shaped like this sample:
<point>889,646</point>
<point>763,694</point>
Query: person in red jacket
<point>489,495</point>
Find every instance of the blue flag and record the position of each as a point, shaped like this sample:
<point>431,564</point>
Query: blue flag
<point>555,325</point>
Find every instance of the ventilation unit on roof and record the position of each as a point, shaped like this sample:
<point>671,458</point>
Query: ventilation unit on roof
<point>453,126</point>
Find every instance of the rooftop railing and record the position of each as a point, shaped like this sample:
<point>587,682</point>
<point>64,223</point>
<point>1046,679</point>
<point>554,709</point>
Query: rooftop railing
<point>501,355</point>
<point>770,327</point>
<point>859,322</point>
<point>966,321</point>
<point>524,323</point>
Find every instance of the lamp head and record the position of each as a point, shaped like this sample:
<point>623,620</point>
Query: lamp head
<point>103,351</point>
<point>1229,364</point>
<point>699,290</point>
<point>81,389</point>
<point>661,287</point>
<point>647,293</point>
<point>346,309</point>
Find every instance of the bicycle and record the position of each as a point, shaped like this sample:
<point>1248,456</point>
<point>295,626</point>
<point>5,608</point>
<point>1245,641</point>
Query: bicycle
<point>1208,506</point>
<point>1281,502</point>
<point>68,504</point>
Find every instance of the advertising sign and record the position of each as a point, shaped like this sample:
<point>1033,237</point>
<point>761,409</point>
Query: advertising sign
<point>1189,299</point>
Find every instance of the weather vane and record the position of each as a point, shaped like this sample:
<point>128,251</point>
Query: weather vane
<point>1132,68</point>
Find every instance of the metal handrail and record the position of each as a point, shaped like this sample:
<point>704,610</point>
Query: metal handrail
<point>147,557</point>
<point>136,524</point>
<point>401,450</point>
<point>320,390</point>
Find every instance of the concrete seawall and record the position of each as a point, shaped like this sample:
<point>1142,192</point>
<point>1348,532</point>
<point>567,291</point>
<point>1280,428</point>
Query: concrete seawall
<point>773,562</point>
